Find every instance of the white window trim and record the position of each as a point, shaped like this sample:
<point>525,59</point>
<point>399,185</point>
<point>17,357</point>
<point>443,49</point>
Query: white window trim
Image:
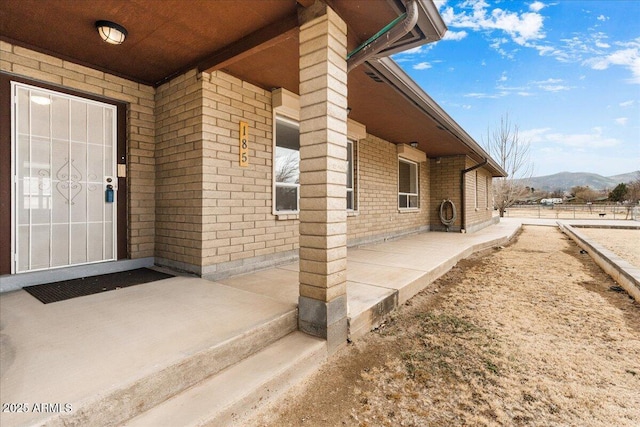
<point>355,176</point>
<point>286,105</point>
<point>486,190</point>
<point>277,113</point>
<point>477,195</point>
<point>417,194</point>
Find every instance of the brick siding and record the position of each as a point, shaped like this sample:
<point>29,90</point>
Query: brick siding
<point>378,215</point>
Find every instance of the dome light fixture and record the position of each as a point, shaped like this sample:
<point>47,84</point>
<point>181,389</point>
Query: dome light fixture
<point>111,32</point>
<point>40,99</point>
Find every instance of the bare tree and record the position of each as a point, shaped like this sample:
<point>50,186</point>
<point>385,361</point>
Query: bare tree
<point>508,148</point>
<point>585,194</point>
<point>288,168</point>
<point>633,197</point>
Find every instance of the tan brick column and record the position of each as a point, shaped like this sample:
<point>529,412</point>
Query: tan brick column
<point>323,155</point>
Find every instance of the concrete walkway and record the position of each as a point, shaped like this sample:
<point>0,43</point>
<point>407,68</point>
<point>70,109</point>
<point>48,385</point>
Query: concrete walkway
<point>384,275</point>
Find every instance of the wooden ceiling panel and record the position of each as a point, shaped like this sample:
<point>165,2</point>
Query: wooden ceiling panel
<point>271,68</point>
<point>164,36</point>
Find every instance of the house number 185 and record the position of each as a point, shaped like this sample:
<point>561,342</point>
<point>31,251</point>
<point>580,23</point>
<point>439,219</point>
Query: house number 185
<point>244,144</point>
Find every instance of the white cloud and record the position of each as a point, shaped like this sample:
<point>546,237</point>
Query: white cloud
<point>455,35</point>
<point>503,77</point>
<point>534,135</point>
<point>593,139</point>
<point>551,85</point>
<point>526,28</point>
<point>627,103</point>
<point>622,120</point>
<point>482,95</point>
<point>627,56</point>
<point>520,27</point>
<point>536,6</point>
<point>440,4</point>
<point>548,81</point>
<point>410,54</point>
<point>554,88</point>
<point>412,51</point>
<point>422,66</point>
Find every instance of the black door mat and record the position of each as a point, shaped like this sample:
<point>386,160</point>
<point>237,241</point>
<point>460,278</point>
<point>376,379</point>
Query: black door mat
<point>67,289</point>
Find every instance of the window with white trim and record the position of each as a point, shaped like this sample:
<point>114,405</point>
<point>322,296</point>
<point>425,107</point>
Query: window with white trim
<point>286,172</point>
<point>477,204</point>
<point>487,183</point>
<point>351,176</point>
<point>408,190</point>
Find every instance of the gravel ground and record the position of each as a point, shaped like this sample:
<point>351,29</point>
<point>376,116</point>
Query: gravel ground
<point>624,243</point>
<point>529,334</point>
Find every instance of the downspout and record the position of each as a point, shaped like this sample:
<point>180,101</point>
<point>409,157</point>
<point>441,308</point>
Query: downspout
<point>463,200</point>
<point>384,38</point>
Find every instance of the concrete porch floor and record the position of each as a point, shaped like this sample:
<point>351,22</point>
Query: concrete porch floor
<point>383,275</point>
<point>119,345</point>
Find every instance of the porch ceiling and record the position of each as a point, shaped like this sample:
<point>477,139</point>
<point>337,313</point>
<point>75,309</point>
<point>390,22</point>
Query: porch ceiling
<point>169,36</point>
<point>255,40</point>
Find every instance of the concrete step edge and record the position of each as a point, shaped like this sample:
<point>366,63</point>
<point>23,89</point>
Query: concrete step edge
<point>239,392</point>
<point>127,401</point>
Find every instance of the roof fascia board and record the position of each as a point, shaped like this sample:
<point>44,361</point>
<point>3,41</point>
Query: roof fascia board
<point>399,80</point>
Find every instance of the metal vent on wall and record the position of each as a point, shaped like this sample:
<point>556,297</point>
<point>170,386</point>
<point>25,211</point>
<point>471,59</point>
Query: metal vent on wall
<point>374,76</point>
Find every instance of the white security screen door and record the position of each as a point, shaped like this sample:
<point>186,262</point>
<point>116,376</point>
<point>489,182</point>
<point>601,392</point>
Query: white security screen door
<point>64,155</point>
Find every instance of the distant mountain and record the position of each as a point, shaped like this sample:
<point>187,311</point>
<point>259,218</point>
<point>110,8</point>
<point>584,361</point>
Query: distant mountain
<point>625,177</point>
<point>566,180</point>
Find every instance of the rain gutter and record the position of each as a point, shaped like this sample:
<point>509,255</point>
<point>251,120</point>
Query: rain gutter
<point>384,38</point>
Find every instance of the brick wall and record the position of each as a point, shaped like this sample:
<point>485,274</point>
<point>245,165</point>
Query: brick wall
<point>140,127</point>
<point>233,207</point>
<point>378,215</point>
<point>476,191</point>
<point>240,231</point>
<point>214,217</point>
<point>179,157</point>
<point>445,184</point>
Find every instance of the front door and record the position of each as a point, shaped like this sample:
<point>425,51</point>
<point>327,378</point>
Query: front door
<point>64,180</point>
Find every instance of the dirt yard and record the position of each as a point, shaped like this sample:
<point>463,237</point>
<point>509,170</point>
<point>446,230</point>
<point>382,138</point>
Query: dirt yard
<point>530,334</point>
<point>624,243</point>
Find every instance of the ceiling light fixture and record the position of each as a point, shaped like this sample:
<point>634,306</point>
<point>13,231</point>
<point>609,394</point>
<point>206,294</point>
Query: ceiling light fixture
<point>111,32</point>
<point>414,144</point>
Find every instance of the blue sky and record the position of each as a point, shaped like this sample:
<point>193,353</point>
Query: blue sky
<point>567,72</point>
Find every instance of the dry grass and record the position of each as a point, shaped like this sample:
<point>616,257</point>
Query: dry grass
<point>527,335</point>
<point>623,242</point>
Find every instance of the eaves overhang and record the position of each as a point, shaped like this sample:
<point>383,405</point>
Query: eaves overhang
<point>399,80</point>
